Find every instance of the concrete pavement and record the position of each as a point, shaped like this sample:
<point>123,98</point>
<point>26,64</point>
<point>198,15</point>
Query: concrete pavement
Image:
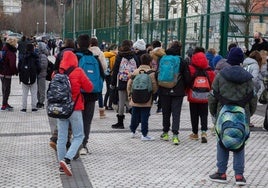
<point>116,160</point>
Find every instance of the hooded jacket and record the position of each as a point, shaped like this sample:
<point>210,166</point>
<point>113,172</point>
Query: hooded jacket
<point>43,53</point>
<point>233,83</point>
<point>9,68</point>
<point>97,52</point>
<point>78,78</point>
<point>199,61</point>
<point>111,56</point>
<point>121,85</point>
<point>251,65</point>
<point>184,80</point>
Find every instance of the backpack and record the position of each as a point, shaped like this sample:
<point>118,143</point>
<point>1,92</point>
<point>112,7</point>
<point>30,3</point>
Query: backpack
<point>141,90</point>
<point>50,69</point>
<point>232,128</point>
<point>126,68</point>
<point>2,58</point>
<point>28,70</point>
<point>168,71</point>
<point>59,96</point>
<point>92,67</point>
<point>201,86</point>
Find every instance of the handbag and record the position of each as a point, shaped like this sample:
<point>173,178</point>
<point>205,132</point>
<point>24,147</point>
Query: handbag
<point>263,99</point>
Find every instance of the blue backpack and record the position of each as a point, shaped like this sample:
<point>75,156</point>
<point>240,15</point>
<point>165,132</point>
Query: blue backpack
<point>92,67</point>
<point>168,71</point>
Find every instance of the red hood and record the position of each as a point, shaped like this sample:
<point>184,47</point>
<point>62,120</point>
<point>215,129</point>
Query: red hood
<point>69,59</point>
<point>199,60</point>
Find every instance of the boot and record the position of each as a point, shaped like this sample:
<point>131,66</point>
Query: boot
<point>120,123</point>
<point>102,113</point>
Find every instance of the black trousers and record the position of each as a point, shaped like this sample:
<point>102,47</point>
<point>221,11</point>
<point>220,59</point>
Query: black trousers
<point>199,110</point>
<point>6,86</point>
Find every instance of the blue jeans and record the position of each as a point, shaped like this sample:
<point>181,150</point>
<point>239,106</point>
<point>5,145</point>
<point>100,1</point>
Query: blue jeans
<point>76,121</point>
<point>140,114</point>
<point>223,157</point>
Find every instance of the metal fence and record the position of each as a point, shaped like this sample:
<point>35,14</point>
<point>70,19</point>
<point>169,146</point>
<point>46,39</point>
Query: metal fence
<point>223,28</point>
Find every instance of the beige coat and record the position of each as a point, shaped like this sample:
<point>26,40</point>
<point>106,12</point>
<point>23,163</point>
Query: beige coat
<point>97,52</point>
<point>154,86</point>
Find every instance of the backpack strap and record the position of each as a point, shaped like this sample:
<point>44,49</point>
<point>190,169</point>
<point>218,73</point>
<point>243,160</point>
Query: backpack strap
<point>242,103</point>
<point>142,71</point>
<point>69,70</point>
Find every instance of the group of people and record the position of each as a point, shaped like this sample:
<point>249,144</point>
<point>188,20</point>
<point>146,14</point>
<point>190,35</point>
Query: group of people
<point>231,78</point>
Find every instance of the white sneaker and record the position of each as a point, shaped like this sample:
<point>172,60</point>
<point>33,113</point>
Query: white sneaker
<point>83,151</point>
<point>147,138</point>
<point>134,135</point>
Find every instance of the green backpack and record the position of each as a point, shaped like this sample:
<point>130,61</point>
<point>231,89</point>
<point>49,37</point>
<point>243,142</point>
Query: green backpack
<point>141,90</point>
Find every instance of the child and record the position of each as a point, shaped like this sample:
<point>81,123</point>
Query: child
<point>29,67</point>
<point>78,81</point>
<point>141,111</point>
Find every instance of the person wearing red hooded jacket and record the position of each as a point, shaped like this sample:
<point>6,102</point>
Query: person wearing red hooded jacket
<point>8,70</point>
<point>199,109</point>
<point>79,81</point>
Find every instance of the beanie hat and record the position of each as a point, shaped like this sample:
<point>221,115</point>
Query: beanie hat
<point>140,44</point>
<point>12,41</point>
<point>235,56</point>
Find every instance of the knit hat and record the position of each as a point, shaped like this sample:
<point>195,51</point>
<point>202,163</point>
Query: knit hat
<point>235,56</point>
<point>140,44</point>
<point>12,41</point>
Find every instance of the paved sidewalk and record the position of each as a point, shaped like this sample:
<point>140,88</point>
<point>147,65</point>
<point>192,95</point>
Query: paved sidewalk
<point>116,160</point>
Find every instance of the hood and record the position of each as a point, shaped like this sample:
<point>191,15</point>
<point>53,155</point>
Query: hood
<point>83,51</point>
<point>209,56</point>
<point>8,47</point>
<point>236,74</point>
<point>69,59</point>
<point>42,48</point>
<point>95,50</point>
<point>249,61</point>
<point>199,60</point>
<point>159,52</point>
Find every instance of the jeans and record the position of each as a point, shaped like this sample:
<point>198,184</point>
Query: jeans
<point>76,121</point>
<point>140,114</point>
<point>100,100</point>
<point>223,157</point>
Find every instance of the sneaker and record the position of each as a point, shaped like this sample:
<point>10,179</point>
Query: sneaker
<point>240,180</point>
<point>83,151</point>
<point>218,177</point>
<point>23,110</point>
<point>34,110</point>
<point>61,171</point>
<point>204,137</point>
<point>164,136</point>
<point>39,105</point>
<point>4,107</point>
<point>66,168</point>
<point>10,107</point>
<point>193,136</point>
<point>134,135</point>
<point>147,138</point>
<point>53,145</point>
<point>175,140</point>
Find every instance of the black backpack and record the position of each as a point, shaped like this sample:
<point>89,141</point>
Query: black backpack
<point>28,70</point>
<point>59,96</point>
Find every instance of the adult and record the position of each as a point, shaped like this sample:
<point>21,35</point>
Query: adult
<point>259,43</point>
<point>9,69</point>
